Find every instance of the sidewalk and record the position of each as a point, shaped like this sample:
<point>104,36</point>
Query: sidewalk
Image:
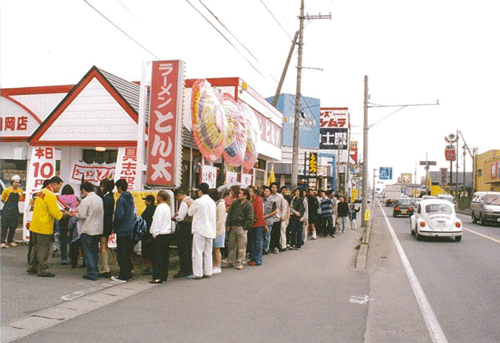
<point>21,293</point>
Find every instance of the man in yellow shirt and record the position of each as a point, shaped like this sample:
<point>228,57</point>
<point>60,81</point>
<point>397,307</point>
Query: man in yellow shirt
<point>45,212</point>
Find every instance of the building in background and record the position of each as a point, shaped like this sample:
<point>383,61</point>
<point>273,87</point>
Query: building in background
<point>309,137</point>
<point>487,171</point>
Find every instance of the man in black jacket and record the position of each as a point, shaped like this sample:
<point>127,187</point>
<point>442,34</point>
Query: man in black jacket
<point>147,241</point>
<point>343,212</point>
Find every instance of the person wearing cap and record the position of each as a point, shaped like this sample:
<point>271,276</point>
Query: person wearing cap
<point>10,212</point>
<point>147,241</point>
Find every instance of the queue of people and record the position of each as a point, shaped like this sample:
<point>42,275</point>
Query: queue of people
<point>212,232</point>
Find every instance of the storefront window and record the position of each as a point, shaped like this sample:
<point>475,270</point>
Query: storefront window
<point>9,168</point>
<point>93,156</point>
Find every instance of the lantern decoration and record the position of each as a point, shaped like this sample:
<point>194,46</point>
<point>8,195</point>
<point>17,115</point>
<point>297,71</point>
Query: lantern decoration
<point>209,121</point>
<point>236,134</point>
<point>252,136</point>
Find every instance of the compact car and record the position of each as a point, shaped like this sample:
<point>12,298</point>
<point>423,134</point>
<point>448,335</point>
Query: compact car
<point>436,218</point>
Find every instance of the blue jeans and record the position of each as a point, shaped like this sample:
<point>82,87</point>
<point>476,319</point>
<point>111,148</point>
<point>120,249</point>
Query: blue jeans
<point>90,250</point>
<point>267,238</point>
<point>296,227</point>
<point>255,240</point>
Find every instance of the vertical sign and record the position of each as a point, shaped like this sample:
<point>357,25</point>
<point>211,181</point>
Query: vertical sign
<point>42,166</point>
<point>209,175</point>
<point>165,120</point>
<point>126,167</point>
<point>443,180</point>
<point>313,163</point>
<point>334,173</point>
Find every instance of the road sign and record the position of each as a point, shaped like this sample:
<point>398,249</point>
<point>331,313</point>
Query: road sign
<point>385,173</point>
<point>428,163</point>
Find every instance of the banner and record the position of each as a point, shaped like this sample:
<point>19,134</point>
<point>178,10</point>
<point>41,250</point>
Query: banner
<point>91,172</point>
<point>42,166</point>
<point>209,175</point>
<point>165,123</point>
<point>353,154</point>
<point>246,179</point>
<point>126,164</point>
<point>443,179</point>
<point>231,177</point>
<point>313,163</point>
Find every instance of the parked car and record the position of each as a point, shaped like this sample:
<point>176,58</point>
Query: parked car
<point>436,218</point>
<point>402,207</point>
<point>485,207</point>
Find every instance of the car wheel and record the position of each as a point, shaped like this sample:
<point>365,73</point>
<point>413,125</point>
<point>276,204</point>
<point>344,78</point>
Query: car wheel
<point>411,230</point>
<point>417,236</point>
<point>458,238</point>
<point>474,219</point>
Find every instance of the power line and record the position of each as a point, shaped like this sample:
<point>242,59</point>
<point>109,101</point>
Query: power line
<point>275,19</point>
<point>127,9</point>
<point>239,52</point>
<point>224,26</point>
<point>122,31</point>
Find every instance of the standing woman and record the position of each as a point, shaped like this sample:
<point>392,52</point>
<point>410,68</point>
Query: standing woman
<point>259,228</point>
<point>10,211</point>
<point>106,187</point>
<point>297,211</point>
<point>306,217</point>
<point>313,206</point>
<point>68,198</point>
<point>220,230</point>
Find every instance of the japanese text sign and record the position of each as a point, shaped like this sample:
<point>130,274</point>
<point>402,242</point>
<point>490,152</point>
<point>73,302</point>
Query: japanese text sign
<point>126,164</point>
<point>91,172</point>
<point>165,120</point>
<point>209,175</point>
<point>313,163</point>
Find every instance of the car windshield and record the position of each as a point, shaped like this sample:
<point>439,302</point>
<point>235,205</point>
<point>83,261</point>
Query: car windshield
<point>493,199</point>
<point>403,202</point>
<point>438,208</point>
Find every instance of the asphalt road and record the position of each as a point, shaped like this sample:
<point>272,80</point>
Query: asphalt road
<point>460,280</point>
<point>311,295</point>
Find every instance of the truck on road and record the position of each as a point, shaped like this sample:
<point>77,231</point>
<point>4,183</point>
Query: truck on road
<point>392,192</point>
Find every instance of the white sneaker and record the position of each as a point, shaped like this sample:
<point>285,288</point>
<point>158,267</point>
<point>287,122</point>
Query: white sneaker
<point>216,270</point>
<point>313,235</point>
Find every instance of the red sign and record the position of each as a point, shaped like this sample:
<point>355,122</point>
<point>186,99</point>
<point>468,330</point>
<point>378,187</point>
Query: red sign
<point>449,152</point>
<point>335,117</point>
<point>165,121</point>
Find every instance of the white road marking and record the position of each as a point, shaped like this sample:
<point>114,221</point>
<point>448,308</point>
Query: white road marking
<point>437,334</point>
<point>482,235</point>
<point>360,300</point>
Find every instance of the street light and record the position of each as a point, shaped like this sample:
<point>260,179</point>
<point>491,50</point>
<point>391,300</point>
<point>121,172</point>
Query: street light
<point>366,127</point>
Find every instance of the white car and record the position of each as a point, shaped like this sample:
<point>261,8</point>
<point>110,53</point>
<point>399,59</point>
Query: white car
<point>436,218</point>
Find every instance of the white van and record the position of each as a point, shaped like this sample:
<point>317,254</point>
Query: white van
<point>485,207</point>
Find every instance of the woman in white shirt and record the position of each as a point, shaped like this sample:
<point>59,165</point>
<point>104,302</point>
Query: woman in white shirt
<point>161,230</point>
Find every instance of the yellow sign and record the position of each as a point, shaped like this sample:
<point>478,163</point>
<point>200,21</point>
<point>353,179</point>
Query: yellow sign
<point>367,215</point>
<point>313,163</point>
<point>354,194</point>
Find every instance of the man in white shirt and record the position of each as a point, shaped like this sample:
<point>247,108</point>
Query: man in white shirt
<point>161,230</point>
<point>204,215</point>
<point>183,233</point>
<point>91,216</point>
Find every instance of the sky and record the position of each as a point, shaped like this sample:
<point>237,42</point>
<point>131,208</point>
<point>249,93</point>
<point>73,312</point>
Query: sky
<point>412,52</point>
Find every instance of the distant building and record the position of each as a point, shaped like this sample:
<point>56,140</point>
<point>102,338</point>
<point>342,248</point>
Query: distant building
<point>488,167</point>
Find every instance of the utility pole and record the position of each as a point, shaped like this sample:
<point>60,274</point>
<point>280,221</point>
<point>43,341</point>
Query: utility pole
<point>285,69</point>
<point>298,95</point>
<point>364,188</point>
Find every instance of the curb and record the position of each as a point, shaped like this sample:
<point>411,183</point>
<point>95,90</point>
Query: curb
<point>365,243</point>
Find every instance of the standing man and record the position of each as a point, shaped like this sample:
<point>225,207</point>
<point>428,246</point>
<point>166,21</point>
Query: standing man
<point>276,225</point>
<point>203,212</point>
<point>147,240</point>
<point>270,209</point>
<point>335,215</point>
<point>161,231</point>
<point>10,212</point>
<point>284,212</point>
<point>343,213</point>
<point>123,226</point>
<point>91,214</point>
<point>239,221</point>
<point>325,206</point>
<point>184,234</point>
<point>45,212</point>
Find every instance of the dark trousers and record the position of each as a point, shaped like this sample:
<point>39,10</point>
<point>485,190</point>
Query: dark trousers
<point>161,249</point>
<point>327,225</point>
<point>184,246</point>
<point>74,247</point>
<point>296,227</point>
<point>39,253</point>
<point>63,238</point>
<point>10,231</point>
<point>275,236</point>
<point>124,249</point>
<point>90,250</point>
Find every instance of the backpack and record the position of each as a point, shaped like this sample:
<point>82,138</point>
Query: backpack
<point>140,227</point>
